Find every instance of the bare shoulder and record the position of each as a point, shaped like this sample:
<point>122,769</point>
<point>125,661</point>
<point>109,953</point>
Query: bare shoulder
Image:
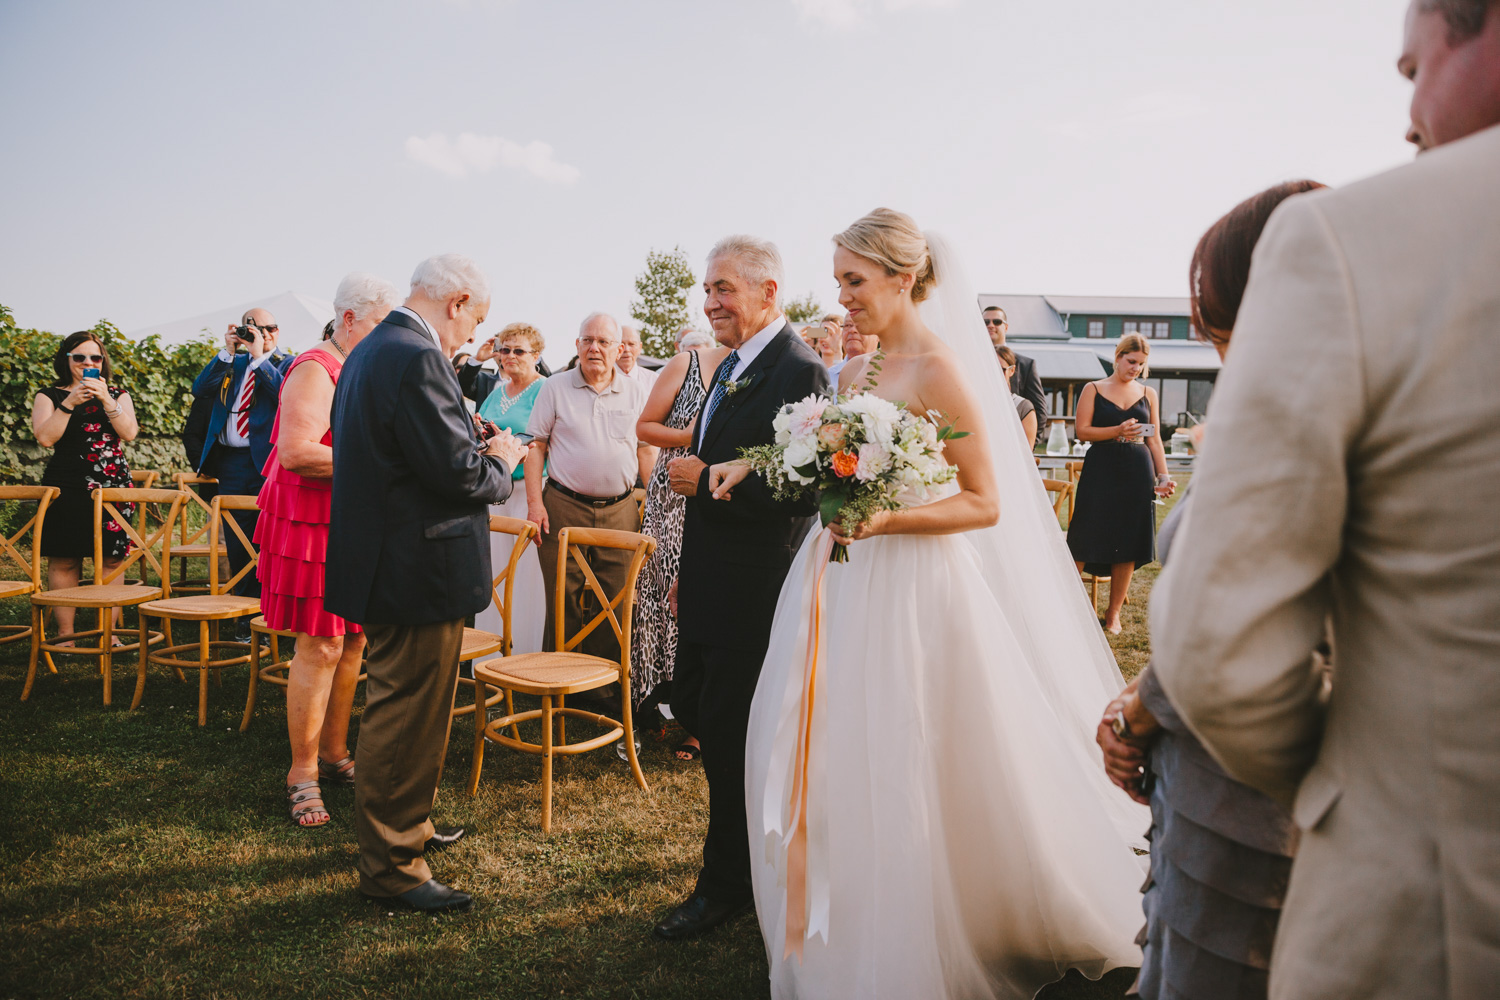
<point>853,370</point>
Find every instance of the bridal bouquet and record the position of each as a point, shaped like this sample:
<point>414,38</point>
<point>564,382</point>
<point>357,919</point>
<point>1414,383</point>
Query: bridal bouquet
<point>860,453</point>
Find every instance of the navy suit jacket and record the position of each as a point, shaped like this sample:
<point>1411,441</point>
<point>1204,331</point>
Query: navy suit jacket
<point>408,539</point>
<point>736,552</point>
<point>263,405</point>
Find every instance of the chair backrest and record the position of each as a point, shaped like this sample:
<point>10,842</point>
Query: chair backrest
<point>614,609</point>
<point>109,504</point>
<point>186,533</point>
<point>145,479</point>
<point>42,496</point>
<point>503,586</point>
<point>220,517</point>
<point>1075,469</point>
<point>1064,498</point>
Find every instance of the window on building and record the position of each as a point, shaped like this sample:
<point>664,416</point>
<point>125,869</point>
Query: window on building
<point>1173,402</point>
<point>1096,328</point>
<point>1152,329</point>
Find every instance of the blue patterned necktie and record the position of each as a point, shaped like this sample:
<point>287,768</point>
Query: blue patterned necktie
<point>721,389</point>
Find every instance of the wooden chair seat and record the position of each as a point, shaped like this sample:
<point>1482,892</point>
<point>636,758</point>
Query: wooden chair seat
<point>98,595</point>
<point>15,588</point>
<point>195,551</point>
<point>203,607</point>
<point>548,673</point>
<point>478,642</point>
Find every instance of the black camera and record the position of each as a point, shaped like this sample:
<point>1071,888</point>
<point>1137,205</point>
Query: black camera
<point>247,332</point>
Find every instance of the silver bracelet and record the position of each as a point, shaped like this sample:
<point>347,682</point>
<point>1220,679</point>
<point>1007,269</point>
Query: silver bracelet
<point>112,414</point>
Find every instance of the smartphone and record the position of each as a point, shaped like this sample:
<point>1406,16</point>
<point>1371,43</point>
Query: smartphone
<point>522,437</point>
<point>1148,430</point>
<point>91,373</point>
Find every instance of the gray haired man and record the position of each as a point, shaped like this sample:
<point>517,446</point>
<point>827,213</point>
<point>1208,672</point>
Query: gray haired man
<point>583,424</point>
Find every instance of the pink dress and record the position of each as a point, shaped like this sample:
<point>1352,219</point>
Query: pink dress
<point>292,536</point>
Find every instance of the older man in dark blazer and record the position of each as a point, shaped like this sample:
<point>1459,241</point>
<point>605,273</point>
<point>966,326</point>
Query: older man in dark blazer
<point>409,559</point>
<point>735,554</point>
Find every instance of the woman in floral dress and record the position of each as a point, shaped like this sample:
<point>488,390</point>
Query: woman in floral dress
<point>85,421</point>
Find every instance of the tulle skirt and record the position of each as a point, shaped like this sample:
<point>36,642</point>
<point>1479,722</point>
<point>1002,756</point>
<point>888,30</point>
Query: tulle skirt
<point>528,615</point>
<point>291,536</point>
<point>958,839</point>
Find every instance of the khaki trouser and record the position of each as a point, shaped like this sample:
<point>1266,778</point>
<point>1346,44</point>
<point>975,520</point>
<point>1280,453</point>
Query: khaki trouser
<point>609,565</point>
<point>403,737</point>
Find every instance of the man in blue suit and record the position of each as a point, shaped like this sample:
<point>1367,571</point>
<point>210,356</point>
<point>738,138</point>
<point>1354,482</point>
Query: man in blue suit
<point>246,385</point>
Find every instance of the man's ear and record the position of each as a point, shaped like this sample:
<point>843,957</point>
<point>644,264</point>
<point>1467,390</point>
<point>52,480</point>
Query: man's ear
<point>455,304</point>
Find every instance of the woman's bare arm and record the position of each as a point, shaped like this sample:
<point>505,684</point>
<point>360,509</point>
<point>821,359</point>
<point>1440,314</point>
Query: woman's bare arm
<point>651,427</point>
<point>306,406</point>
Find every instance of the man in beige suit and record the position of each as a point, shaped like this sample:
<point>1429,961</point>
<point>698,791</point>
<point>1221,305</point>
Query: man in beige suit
<point>1353,476</point>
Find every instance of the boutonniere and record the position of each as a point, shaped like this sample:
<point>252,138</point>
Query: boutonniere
<point>730,388</point>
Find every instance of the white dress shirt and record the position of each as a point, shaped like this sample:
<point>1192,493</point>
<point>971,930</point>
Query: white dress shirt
<point>749,351</point>
<point>231,435</point>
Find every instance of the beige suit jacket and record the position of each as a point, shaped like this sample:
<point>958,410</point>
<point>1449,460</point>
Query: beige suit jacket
<point>1352,471</point>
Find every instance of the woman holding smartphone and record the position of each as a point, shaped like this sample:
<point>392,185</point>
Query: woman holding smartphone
<point>506,402</point>
<point>85,421</point>
<point>1113,528</point>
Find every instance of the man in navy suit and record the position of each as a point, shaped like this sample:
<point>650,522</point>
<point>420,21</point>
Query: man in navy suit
<point>239,429</point>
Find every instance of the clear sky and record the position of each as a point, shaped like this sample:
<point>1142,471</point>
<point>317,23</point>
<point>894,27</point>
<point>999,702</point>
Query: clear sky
<point>159,160</point>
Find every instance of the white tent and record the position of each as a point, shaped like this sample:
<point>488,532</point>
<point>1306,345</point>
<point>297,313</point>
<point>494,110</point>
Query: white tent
<point>300,317</point>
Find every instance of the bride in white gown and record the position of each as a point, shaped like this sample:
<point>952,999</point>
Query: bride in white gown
<point>955,835</point>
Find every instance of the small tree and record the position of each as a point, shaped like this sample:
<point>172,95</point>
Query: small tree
<point>803,310</point>
<point>662,308</point>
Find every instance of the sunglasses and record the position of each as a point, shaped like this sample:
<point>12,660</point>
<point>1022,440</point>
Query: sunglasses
<point>86,359</point>
<point>993,322</point>
<point>501,351</point>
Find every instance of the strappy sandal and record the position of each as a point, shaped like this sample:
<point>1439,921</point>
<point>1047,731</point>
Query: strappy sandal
<point>302,796</point>
<point>339,772</point>
<point>693,753</point>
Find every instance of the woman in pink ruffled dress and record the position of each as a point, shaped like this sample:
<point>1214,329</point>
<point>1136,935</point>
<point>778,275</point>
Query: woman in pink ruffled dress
<point>292,538</point>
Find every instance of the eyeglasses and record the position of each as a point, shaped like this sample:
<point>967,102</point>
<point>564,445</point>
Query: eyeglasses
<point>512,350</point>
<point>993,322</point>
<point>86,359</point>
<point>603,345</point>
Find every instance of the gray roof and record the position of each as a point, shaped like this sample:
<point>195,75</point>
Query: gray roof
<point>1119,305</point>
<point>1062,362</point>
<point>1028,315</point>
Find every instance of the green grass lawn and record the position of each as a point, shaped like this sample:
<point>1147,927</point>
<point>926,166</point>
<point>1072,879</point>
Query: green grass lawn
<point>143,856</point>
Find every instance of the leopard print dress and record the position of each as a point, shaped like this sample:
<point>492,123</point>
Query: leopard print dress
<point>653,639</point>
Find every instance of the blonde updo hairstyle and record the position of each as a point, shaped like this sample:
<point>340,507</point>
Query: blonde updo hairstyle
<point>892,240</point>
<point>1135,342</point>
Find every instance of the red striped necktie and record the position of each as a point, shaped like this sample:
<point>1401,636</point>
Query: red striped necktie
<point>242,412</point>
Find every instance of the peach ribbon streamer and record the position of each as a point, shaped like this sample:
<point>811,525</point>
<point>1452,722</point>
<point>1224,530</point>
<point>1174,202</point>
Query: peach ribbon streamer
<point>796,847</point>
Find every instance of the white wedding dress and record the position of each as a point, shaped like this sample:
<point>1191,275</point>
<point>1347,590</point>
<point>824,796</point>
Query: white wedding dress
<point>959,834</point>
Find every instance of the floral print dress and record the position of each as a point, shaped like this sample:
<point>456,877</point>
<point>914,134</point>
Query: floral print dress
<point>87,456</point>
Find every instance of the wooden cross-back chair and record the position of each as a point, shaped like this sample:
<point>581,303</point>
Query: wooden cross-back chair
<point>479,643</point>
<point>1063,500</point>
<point>29,561</point>
<point>219,604</point>
<point>110,589</point>
<point>555,675</point>
<point>146,515</point>
<point>190,542</point>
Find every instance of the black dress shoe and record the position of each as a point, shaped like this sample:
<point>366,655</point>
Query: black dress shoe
<point>444,837</point>
<point>697,915</point>
<point>431,896</point>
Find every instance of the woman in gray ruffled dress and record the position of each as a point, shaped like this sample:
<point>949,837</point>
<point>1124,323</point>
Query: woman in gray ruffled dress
<point>1221,851</point>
